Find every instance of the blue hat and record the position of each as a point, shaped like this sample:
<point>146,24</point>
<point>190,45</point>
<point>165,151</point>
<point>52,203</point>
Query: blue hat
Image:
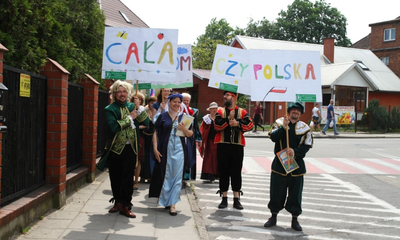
<point>296,105</point>
<point>176,95</point>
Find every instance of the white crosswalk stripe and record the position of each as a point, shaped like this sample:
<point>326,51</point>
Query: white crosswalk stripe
<point>332,209</point>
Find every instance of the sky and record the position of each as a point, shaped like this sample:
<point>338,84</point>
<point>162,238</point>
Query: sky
<point>192,17</point>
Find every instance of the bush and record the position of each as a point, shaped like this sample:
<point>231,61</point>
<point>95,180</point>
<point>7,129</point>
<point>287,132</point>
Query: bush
<point>378,116</point>
<point>395,118</point>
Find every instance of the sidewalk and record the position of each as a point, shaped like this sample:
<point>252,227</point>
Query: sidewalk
<point>85,216</point>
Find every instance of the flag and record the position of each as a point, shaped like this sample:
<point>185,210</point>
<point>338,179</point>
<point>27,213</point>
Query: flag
<point>151,93</point>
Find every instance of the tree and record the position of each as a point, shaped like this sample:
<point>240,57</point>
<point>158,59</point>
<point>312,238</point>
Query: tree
<point>217,32</point>
<point>69,31</point>
<point>261,29</point>
<point>311,23</point>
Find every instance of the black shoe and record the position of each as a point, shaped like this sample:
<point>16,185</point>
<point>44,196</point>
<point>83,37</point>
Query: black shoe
<point>224,203</point>
<point>296,226</point>
<point>237,204</point>
<point>271,222</point>
<point>336,134</point>
<point>323,133</point>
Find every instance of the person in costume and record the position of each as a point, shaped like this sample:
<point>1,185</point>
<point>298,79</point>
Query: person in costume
<point>286,188</point>
<point>230,123</point>
<point>123,122</point>
<point>257,116</point>
<point>147,166</point>
<point>208,149</point>
<point>194,142</point>
<point>170,151</point>
<point>141,157</point>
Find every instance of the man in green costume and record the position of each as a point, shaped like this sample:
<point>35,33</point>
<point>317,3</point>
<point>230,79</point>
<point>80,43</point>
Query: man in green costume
<point>283,183</point>
<point>123,122</point>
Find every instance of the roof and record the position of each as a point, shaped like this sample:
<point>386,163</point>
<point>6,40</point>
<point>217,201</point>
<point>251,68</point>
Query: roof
<point>114,18</point>
<point>202,74</point>
<point>364,43</point>
<point>378,76</point>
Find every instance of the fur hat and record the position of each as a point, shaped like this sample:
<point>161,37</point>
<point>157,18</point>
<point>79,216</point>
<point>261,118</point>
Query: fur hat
<point>296,105</point>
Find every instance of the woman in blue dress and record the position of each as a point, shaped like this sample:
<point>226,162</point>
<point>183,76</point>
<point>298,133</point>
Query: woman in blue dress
<point>170,152</point>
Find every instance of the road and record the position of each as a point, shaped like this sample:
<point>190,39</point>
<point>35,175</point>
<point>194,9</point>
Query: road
<point>351,192</point>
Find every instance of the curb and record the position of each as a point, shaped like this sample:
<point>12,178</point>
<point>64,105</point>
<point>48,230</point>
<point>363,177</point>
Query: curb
<point>197,214</point>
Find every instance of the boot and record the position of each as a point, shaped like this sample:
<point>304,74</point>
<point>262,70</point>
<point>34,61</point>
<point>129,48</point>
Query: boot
<point>236,204</point>
<point>296,225</point>
<point>271,221</point>
<point>224,203</point>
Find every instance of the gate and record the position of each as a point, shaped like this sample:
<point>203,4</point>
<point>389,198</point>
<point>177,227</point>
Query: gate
<point>24,144</point>
<point>101,122</point>
<point>75,126</point>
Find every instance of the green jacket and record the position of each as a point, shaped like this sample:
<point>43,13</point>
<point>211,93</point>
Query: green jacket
<point>119,129</point>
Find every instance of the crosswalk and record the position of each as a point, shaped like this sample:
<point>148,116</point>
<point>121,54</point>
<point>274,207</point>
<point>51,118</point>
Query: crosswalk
<point>262,164</point>
<point>332,208</point>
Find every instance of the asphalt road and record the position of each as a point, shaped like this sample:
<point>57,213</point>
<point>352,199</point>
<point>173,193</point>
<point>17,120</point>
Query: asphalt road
<point>354,196</point>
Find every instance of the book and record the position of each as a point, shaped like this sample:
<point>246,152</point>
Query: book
<point>187,120</point>
<point>288,162</point>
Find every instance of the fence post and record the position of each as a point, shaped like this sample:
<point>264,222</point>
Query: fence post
<point>90,115</point>
<point>57,123</point>
<point>2,49</point>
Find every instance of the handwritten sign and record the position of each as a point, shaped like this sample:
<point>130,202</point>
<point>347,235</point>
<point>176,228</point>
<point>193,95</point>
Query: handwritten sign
<point>184,70</point>
<point>231,66</point>
<point>144,54</point>
<point>269,75</point>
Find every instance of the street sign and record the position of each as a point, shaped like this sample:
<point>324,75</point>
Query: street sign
<point>115,75</point>
<point>228,87</point>
<point>306,97</point>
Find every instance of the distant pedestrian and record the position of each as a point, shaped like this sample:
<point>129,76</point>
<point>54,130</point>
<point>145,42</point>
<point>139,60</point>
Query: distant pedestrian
<point>257,116</point>
<point>316,117</point>
<point>231,122</point>
<point>330,117</point>
<point>286,188</point>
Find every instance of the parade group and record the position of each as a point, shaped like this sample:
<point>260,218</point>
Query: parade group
<point>149,140</point>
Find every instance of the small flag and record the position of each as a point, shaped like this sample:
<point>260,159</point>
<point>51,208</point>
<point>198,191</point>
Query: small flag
<point>276,90</point>
<point>151,93</point>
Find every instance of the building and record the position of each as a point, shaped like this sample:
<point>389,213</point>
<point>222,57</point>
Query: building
<point>384,41</point>
<point>119,15</point>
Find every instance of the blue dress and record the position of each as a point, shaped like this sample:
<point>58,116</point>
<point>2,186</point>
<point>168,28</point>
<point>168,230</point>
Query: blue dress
<point>166,181</point>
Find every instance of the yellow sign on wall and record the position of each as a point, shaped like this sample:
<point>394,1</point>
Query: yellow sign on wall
<point>25,85</point>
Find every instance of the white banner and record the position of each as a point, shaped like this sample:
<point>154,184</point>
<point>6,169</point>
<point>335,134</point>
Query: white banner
<point>184,70</point>
<point>231,66</point>
<point>143,54</point>
<point>269,75</point>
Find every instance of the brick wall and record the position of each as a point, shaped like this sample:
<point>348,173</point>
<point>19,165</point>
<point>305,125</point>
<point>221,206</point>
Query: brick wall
<point>389,49</point>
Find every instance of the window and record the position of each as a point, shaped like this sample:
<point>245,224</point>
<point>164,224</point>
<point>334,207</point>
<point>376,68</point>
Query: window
<point>389,34</point>
<point>361,64</point>
<point>125,17</point>
<point>385,60</point>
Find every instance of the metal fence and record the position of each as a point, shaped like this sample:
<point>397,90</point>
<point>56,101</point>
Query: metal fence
<point>24,143</point>
<point>75,126</point>
<point>101,123</point>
